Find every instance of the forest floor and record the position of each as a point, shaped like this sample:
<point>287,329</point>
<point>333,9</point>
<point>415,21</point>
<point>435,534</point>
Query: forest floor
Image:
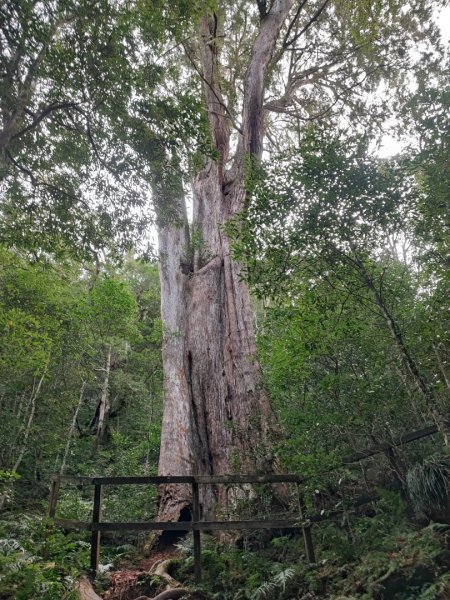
<point>410,565</point>
<point>382,557</point>
<point>139,580</point>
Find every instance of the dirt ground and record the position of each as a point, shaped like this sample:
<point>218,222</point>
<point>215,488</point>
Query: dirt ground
<point>128,584</point>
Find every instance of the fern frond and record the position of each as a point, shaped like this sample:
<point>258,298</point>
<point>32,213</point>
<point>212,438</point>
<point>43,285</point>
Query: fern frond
<point>282,578</point>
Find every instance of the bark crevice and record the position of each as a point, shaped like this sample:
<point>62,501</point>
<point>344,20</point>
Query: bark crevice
<point>213,382</point>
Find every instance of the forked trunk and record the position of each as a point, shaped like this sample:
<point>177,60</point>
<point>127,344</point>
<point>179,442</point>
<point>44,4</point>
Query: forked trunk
<point>217,417</point>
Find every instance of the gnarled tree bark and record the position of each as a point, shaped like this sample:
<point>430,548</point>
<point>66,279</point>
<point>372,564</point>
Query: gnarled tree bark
<point>217,416</point>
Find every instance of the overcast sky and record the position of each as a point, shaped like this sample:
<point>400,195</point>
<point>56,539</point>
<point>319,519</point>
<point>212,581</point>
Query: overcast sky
<point>390,145</point>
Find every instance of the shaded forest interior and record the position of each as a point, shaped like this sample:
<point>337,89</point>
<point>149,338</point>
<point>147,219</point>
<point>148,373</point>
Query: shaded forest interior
<point>225,249</point>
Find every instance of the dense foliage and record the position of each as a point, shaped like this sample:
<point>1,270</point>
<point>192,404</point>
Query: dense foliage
<point>348,254</point>
<point>81,368</point>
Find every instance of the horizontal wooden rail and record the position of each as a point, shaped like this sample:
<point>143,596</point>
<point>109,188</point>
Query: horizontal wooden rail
<point>184,525</point>
<point>188,479</point>
<point>237,479</point>
<point>406,438</point>
<point>198,526</point>
<point>153,480</point>
<point>72,524</point>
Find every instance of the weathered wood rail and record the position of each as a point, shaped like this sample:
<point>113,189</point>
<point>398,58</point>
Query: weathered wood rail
<point>196,525</point>
<point>402,440</point>
<point>297,521</point>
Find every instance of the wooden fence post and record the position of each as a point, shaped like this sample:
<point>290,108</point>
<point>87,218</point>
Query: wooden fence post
<point>54,497</point>
<point>197,541</point>
<point>306,529</point>
<point>95,535</point>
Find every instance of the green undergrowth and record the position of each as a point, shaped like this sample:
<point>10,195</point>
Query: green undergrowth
<point>379,554</point>
<point>39,561</point>
<point>379,557</point>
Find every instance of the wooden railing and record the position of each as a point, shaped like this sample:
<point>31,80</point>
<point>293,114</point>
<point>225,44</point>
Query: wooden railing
<point>196,525</point>
<point>298,520</point>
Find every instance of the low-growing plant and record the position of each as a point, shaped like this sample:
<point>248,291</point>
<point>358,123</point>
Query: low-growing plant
<point>38,561</point>
<point>274,586</point>
<point>428,485</point>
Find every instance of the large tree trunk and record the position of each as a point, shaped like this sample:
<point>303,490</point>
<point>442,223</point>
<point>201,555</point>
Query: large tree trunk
<point>217,417</point>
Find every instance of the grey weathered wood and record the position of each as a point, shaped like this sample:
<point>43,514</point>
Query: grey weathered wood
<point>147,526</point>
<point>238,525</point>
<point>156,480</point>
<point>95,536</point>
<point>54,492</point>
<point>238,479</point>
<point>406,438</point>
<point>84,590</point>
<point>197,541</point>
<point>200,526</point>
<point>201,479</point>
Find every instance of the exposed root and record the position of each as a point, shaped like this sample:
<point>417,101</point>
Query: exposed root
<point>160,569</point>
<point>84,589</point>
<point>172,594</point>
<point>127,582</point>
<point>167,595</point>
<point>174,590</point>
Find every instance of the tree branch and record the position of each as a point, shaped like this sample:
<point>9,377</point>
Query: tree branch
<point>262,8</point>
<point>254,85</point>
<point>293,22</point>
<point>44,113</point>
<point>217,96</point>
<point>304,29</point>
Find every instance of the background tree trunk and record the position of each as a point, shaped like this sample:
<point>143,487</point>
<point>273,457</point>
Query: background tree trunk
<point>105,402</point>
<point>25,434</point>
<point>72,429</point>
